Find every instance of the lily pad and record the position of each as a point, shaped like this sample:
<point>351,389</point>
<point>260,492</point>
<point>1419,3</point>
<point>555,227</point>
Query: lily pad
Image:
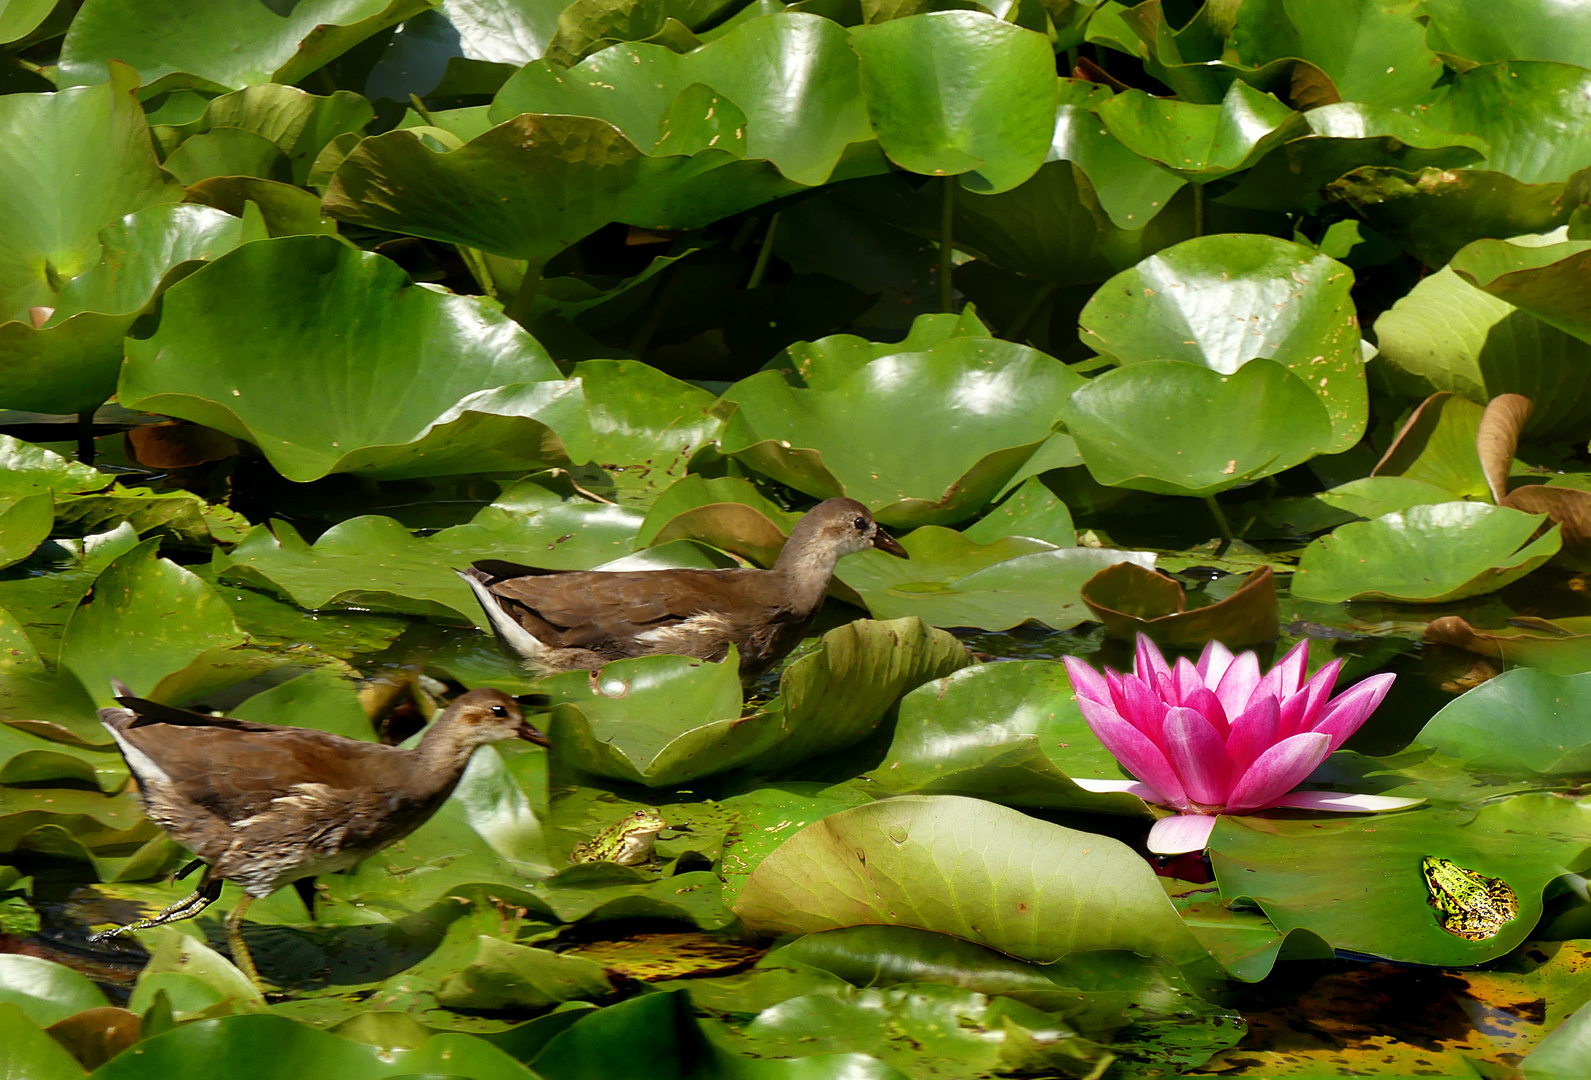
<point>503,975</point>
<point>1541,713</point>
<point>1375,900</point>
<point>1201,142</point>
<point>951,580</point>
<point>1542,278</point>
<point>1436,447</point>
<point>296,123</point>
<point>1425,555</point>
<point>1532,115</point>
<point>727,512</point>
<point>1374,52</point>
<point>1559,646</point>
<point>1033,890</point>
<point>960,93</point>
<point>1149,425</point>
<point>1511,30</point>
<point>46,992</point>
<point>30,1052</point>
<point>1131,600</point>
<point>389,409</point>
<point>663,721</point>
<point>849,440</point>
<point>1223,300</point>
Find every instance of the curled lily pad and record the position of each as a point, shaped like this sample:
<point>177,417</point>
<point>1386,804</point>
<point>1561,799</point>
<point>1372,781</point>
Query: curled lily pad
<point>1437,446</point>
<point>1557,646</point>
<point>1540,711</point>
<point>663,721</point>
<point>960,93</point>
<point>1511,30</point>
<point>1376,900</point>
<point>1130,599</point>
<point>1372,52</point>
<point>1033,890</point>
<point>389,408</point>
<point>727,512</point>
<point>1149,425</point>
<point>1425,555</point>
<point>1223,300</point>
<point>850,441</point>
<point>1544,279</point>
<point>1201,142</point>
<point>1449,335</point>
<point>296,123</point>
<point>951,580</point>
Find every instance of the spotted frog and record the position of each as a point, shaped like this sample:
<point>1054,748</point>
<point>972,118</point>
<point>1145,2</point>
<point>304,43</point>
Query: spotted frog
<point>1469,905</point>
<point>627,841</point>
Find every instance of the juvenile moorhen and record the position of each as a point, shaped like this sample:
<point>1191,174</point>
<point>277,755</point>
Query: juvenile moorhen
<point>563,620</point>
<point>264,805</point>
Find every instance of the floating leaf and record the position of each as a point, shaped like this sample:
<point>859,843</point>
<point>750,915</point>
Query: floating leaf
<point>1200,142</point>
<point>44,991</point>
<point>848,440</point>
<point>1374,51</point>
<point>1531,113</point>
<point>1541,713</point>
<point>1221,301</point>
<point>1131,599</point>
<point>503,975</point>
<point>1561,647</point>
<point>1425,555</point>
<point>1033,890</point>
<point>1149,425</point>
<point>388,408</point>
<point>1437,446</point>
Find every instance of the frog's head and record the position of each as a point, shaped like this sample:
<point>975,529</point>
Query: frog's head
<point>646,820</point>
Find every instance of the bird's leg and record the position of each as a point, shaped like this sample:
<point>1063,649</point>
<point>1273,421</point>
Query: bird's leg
<point>234,940</point>
<point>186,908</point>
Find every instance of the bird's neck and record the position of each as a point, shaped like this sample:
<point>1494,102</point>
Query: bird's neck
<point>806,567</point>
<point>440,759</point>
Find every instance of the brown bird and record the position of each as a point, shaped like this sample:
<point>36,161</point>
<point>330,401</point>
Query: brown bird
<point>561,620</point>
<point>264,805</point>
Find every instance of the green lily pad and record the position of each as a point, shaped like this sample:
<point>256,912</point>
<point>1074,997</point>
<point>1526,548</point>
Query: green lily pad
<point>261,44</point>
<point>1541,278</point>
<point>959,93</point>
<point>179,514</point>
<point>1541,713</point>
<point>1436,447</point>
<point>226,152</point>
<point>663,721</point>
<point>946,744</point>
<point>31,1052</point>
<point>1201,142</point>
<point>386,410</point>
<point>644,424</point>
<point>26,469</point>
<point>849,440</point>
<point>24,524</point>
<point>296,123</point>
<point>1425,555</point>
<point>145,618</point>
<point>1149,425</point>
<point>1374,52</point>
<point>1531,113</point>
<point>46,992</point>
<point>1373,496</point>
<point>1508,30</point>
<point>1190,301</point>
<point>1034,890</point>
<point>951,580</point>
<point>802,121</point>
<point>26,758</point>
<point>1446,334</point>
<point>1375,899</point>
<point>727,512</point>
<point>503,975</point>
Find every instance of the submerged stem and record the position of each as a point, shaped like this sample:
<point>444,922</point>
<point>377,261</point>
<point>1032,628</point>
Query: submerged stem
<point>1198,209</point>
<point>1220,519</point>
<point>947,211</point>
<point>518,306</point>
<point>85,437</point>
<point>763,255</point>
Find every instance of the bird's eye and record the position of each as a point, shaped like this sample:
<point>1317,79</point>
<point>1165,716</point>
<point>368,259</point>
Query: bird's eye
<point>499,712</point>
<point>860,523</point>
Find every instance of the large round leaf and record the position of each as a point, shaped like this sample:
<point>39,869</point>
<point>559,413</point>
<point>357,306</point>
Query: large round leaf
<point>1446,334</point>
<point>984,406</point>
<point>1373,50</point>
<point>1547,280</point>
<point>1543,715</point>
<point>1223,300</point>
<point>792,77</point>
<point>1509,30</point>
<point>970,869</point>
<point>1184,429</point>
<point>1374,899</point>
<point>406,380</point>
<point>1535,116</point>
<point>1200,142</point>
<point>960,92</point>
<point>1425,555</point>
<point>220,46</point>
<point>951,580</point>
<point>46,991</point>
<point>297,123</point>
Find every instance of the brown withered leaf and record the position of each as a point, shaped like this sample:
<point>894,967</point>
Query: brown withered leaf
<point>178,446</point>
<point>1130,600</point>
<point>1498,438</point>
<point>94,1036</point>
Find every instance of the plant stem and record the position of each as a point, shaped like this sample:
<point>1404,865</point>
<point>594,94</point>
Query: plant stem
<point>763,255</point>
<point>85,436</point>
<point>1071,61</point>
<point>518,308</point>
<point>478,269</point>
<point>1220,518</point>
<point>419,107</point>
<point>947,211</point>
<point>1198,209</point>
<point>1030,309</point>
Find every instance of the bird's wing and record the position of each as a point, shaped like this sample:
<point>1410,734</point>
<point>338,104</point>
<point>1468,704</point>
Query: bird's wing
<point>614,603</point>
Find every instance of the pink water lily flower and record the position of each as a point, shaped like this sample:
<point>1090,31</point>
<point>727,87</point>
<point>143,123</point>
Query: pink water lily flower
<point>1217,737</point>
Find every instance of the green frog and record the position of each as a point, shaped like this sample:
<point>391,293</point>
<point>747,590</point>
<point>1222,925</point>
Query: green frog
<point>1469,905</point>
<point>627,841</point>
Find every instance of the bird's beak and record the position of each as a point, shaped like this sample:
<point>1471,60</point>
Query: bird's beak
<point>887,543</point>
<point>530,734</point>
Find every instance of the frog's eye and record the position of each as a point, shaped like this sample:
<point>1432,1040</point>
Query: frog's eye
<point>640,814</point>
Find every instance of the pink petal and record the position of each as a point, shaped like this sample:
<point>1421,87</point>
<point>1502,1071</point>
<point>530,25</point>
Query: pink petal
<point>1148,662</point>
<point>1206,704</point>
<point>1166,688</point>
<point>1291,720</point>
<point>1181,833</point>
<point>1278,771</point>
<point>1114,680</point>
<point>1144,708</point>
<point>1252,734</point>
<point>1238,684</point>
<point>1131,787</point>
<point>1317,692</point>
<point>1344,803</point>
<point>1186,678</point>
<point>1137,753</point>
<point>1086,681</point>
<point>1213,662</point>
<point>1198,754</point>
<point>1353,707</point>
<point>1287,676</point>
